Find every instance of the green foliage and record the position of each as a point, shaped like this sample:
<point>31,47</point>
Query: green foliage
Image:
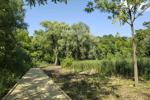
<point>147,24</point>
<point>8,79</point>
<point>42,2</point>
<point>118,67</point>
<point>59,41</point>
<point>143,42</point>
<point>79,66</point>
<point>144,67</point>
<point>14,44</point>
<point>54,38</point>
<point>125,11</point>
<point>107,67</point>
<point>67,62</point>
<point>124,68</point>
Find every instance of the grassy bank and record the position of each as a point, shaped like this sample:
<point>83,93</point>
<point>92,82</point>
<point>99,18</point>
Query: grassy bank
<point>115,67</point>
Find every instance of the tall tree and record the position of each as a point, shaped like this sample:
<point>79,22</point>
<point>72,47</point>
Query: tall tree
<point>54,32</point>
<point>14,60</point>
<point>80,31</point>
<point>11,18</point>
<point>126,11</point>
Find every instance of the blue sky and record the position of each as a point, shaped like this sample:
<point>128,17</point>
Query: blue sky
<point>74,12</point>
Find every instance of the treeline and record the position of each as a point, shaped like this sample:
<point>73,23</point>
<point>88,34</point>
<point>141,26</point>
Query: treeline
<point>75,48</point>
<point>143,41</point>
<point>59,40</point>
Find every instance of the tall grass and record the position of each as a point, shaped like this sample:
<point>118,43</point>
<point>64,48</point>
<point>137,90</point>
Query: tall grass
<point>117,67</point>
<point>144,67</point>
<point>123,67</point>
<point>107,67</point>
<point>86,65</point>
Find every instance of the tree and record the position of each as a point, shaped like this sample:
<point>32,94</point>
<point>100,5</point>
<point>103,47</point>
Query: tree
<point>126,11</point>
<point>81,33</point>
<point>59,40</point>
<point>42,2</point>
<point>54,33</point>
<point>11,18</point>
<point>14,58</point>
<point>147,24</point>
<point>143,41</point>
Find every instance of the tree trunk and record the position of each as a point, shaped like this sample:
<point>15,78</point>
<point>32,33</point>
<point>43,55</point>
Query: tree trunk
<point>56,59</point>
<point>134,57</point>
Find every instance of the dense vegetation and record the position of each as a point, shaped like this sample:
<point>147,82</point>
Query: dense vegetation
<point>61,43</point>
<point>14,44</point>
<point>72,46</point>
<point>76,42</point>
<point>114,67</point>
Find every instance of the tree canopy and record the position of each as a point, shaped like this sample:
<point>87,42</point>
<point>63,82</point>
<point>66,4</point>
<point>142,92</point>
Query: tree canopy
<point>42,2</point>
<point>124,11</point>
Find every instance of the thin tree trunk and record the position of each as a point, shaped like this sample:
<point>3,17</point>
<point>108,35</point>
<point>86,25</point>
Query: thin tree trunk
<point>134,57</point>
<point>56,59</point>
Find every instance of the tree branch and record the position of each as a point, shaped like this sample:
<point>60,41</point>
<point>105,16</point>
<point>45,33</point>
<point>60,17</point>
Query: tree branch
<point>141,13</point>
<point>126,21</point>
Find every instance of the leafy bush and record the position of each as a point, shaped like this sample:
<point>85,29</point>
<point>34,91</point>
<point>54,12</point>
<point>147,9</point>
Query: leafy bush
<point>107,67</point>
<point>7,80</point>
<point>67,62</point>
<point>12,69</point>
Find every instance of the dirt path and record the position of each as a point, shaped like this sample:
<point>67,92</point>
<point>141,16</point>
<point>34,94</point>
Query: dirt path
<point>35,85</point>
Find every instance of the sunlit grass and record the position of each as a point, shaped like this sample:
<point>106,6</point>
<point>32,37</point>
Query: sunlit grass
<point>116,67</point>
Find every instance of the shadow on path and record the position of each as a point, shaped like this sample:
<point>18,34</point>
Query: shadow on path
<point>35,85</point>
<point>83,87</point>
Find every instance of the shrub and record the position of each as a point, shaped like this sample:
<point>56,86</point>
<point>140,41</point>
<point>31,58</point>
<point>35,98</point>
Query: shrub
<point>67,62</point>
<point>7,80</point>
<point>107,67</point>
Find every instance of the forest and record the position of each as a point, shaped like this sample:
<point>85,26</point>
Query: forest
<point>74,47</point>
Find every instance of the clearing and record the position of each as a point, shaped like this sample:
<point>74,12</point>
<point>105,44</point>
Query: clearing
<point>82,86</point>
